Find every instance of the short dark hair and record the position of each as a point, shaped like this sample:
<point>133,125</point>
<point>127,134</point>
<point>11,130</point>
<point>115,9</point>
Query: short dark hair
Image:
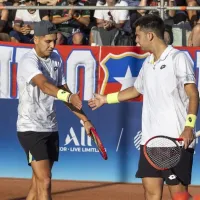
<point>153,23</point>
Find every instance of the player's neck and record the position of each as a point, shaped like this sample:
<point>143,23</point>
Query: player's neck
<point>157,50</point>
<point>39,54</point>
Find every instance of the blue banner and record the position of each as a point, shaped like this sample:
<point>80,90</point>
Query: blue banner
<point>119,127</point>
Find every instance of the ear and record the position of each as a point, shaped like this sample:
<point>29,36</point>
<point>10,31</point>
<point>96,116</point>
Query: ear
<point>36,39</point>
<point>150,36</point>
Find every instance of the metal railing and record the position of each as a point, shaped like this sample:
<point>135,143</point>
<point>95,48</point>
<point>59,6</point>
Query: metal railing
<point>162,8</point>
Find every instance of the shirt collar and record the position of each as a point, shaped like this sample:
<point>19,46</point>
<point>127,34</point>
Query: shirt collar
<point>163,55</point>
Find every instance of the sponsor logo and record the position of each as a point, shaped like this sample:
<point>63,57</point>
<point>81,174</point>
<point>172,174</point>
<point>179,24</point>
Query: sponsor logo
<point>172,177</point>
<point>78,142</point>
<point>163,66</point>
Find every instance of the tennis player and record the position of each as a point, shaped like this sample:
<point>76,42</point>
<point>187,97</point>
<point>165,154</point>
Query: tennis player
<point>40,80</point>
<point>170,105</point>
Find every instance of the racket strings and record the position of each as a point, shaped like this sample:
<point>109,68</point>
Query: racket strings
<point>163,152</point>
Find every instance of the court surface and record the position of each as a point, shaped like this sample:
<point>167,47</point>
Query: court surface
<point>16,189</point>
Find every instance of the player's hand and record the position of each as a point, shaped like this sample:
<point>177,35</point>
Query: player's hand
<point>87,125</point>
<point>76,101</point>
<point>188,136</point>
<point>97,101</point>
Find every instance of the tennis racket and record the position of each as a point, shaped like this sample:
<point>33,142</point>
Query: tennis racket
<point>164,152</point>
<point>95,137</point>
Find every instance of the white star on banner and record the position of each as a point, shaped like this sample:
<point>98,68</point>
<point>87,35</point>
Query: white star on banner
<point>126,81</point>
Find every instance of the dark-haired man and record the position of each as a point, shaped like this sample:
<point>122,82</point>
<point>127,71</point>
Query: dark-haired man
<point>170,105</point>
<point>40,80</point>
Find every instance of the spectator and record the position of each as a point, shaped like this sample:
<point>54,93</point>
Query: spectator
<point>108,23</point>
<point>4,14</point>
<point>194,38</point>
<point>181,27</point>
<point>24,22</point>
<point>12,13</point>
<point>72,24</point>
<point>168,35</point>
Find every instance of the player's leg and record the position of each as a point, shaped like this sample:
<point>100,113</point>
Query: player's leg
<point>32,195</point>
<point>42,150</point>
<point>27,140</point>
<point>45,152</point>
<point>151,178</point>
<point>153,188</point>
<point>179,192</point>
<point>42,171</point>
<point>179,177</point>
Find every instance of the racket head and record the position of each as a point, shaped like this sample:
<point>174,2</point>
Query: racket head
<point>163,152</point>
<point>95,137</point>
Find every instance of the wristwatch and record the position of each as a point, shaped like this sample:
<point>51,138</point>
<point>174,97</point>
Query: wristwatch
<point>76,15</point>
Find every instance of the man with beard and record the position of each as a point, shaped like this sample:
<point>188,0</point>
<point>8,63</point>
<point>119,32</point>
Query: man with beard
<point>40,80</point>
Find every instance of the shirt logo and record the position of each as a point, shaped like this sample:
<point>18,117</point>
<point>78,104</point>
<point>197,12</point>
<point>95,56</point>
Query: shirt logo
<point>55,68</point>
<point>163,66</point>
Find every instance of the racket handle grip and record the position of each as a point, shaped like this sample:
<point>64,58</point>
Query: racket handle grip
<point>179,139</point>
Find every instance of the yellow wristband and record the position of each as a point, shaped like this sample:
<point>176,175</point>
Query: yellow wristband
<point>112,98</point>
<point>191,120</point>
<point>63,95</point>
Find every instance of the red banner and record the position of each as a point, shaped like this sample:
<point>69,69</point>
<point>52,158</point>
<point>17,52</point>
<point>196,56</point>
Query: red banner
<point>88,69</point>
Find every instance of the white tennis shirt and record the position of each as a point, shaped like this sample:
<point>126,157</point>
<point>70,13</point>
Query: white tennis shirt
<point>165,102</point>
<point>36,111</point>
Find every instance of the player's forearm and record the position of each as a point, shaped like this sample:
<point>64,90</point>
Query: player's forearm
<point>49,89</point>
<point>123,95</point>
<point>193,96</point>
<point>193,103</point>
<point>128,94</point>
<point>79,113</point>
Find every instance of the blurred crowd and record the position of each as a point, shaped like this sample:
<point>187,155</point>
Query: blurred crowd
<point>98,27</point>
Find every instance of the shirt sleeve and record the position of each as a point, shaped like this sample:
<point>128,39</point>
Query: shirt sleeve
<point>184,69</point>
<point>61,76</point>
<point>139,82</point>
<point>28,68</point>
